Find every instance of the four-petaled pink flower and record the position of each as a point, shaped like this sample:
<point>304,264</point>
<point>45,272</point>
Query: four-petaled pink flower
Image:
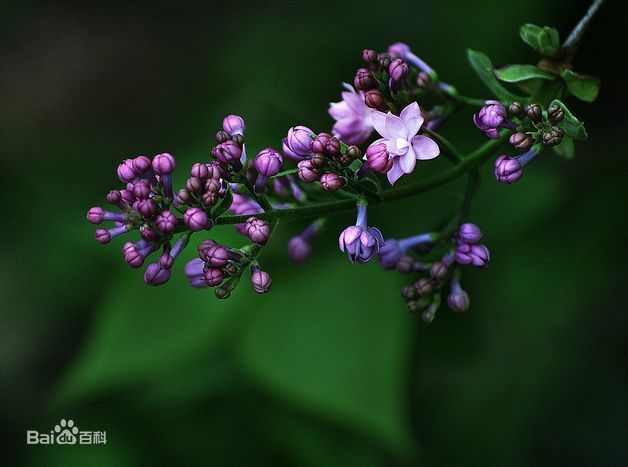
<point>353,124</point>
<point>404,145</point>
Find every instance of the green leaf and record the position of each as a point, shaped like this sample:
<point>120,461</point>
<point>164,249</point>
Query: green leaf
<point>544,39</point>
<point>483,66</point>
<point>565,149</point>
<point>570,124</point>
<point>584,87</point>
<point>516,73</point>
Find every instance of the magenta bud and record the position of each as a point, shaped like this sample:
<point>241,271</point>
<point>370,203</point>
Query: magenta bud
<point>196,219</point>
<point>163,164</point>
<point>126,172</point>
<point>298,144</point>
<point>331,182</point>
<point>363,79</point>
<point>134,258</point>
<point>470,233</point>
<point>318,144</point>
<point>114,197</point>
<point>507,169</point>
<point>213,276</point>
<point>216,256</point>
<point>369,55</point>
<point>378,159</point>
<point>307,172</point>
<point>458,299</point>
<point>268,162</point>
<point>193,184</point>
<point>228,152</point>
<point>102,236</point>
<point>166,222</point>
<point>146,207</point>
<point>141,189</point>
<point>233,124</point>
<point>96,215</point>
<point>398,69</point>
<point>439,271</point>
<point>199,170</point>
<point>141,164</point>
<point>260,280</point>
<point>332,146</point>
<point>148,234</point>
<point>257,230</point>
<point>156,275</point>
<point>204,246</point>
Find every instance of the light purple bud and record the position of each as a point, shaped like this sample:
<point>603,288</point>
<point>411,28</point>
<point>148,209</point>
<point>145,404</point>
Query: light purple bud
<point>470,233</point>
<point>268,162</point>
<point>458,299</point>
<point>196,219</point>
<point>398,69</point>
<point>104,236</point>
<point>360,241</point>
<point>194,272</point>
<point>378,159</point>
<point>331,182</point>
<point>97,214</point>
<point>298,144</point>
<point>476,255</point>
<point>216,256</point>
<point>213,276</point>
<point>163,164</point>
<point>141,189</point>
<point>167,222</point>
<point>307,172</point>
<point>260,280</point>
<point>141,164</point>
<point>156,275</point>
<point>126,172</point>
<point>491,117</point>
<point>228,153</point>
<point>146,207</point>
<point>233,124</point>
<point>148,234</point>
<point>507,169</point>
<point>257,230</point>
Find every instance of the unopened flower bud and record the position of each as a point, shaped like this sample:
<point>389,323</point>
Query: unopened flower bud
<point>257,230</point>
<point>141,189</point>
<point>166,222</point>
<point>156,275</point>
<point>515,108</point>
<point>141,164</point>
<point>163,164</point>
<point>458,299</point>
<point>553,137</point>
<point>126,172</point>
<point>383,59</point>
<point>319,160</point>
<point>183,196</point>
<point>405,264</point>
<point>228,153</point>
<point>210,198</point>
<point>318,143</point>
<point>200,171</point>
<point>298,144</point>
<point>238,139</point>
<point>260,280</point>
<point>378,159</point>
<point>233,124</point>
<point>415,306</point>
<point>354,152</point>
<point>375,100</point>
<point>268,162</point>
<point>147,207</point>
<point>213,276</point>
<point>470,234</point>
<point>222,136</point>
<point>423,80</point>
<point>439,271</point>
<point>555,113</point>
<point>222,292</point>
<point>332,147</point>
<point>369,55</point>
<point>307,172</point>
<point>331,182</point>
<point>408,293</point>
<point>507,169</point>
<point>196,219</point>
<point>398,69</point>
<point>521,141</point>
<point>193,184</point>
<point>534,112</point>
<point>148,234</point>
<point>363,80</point>
<point>424,286</point>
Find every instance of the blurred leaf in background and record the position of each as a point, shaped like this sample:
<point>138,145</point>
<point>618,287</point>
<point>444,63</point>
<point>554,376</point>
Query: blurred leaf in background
<point>329,368</point>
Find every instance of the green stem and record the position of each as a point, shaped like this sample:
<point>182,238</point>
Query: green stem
<point>472,184</point>
<point>471,162</point>
<point>457,156</point>
<point>571,44</point>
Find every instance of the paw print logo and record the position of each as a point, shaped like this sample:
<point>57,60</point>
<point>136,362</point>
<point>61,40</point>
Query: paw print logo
<point>66,432</point>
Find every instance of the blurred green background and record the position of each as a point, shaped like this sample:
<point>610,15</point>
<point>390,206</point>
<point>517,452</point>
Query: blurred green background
<point>329,368</point>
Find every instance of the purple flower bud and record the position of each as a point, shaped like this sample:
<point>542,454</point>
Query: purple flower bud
<point>126,172</point>
<point>363,79</point>
<point>260,280</point>
<point>196,219</point>
<point>299,249</point>
<point>490,118</point>
<point>97,214</point>
<point>163,164</point>
<point>318,144</point>
<point>375,100</point>
<point>398,69</point>
<point>200,171</point>
<point>141,164</point>
<point>520,141</point>
<point>268,162</point>
<point>369,55</point>
<point>257,230</point>
<point>424,286</point>
<point>331,182</point>
<point>470,233</point>
<point>378,159</point>
<point>508,169</point>
<point>104,236</point>
<point>193,270</point>
<point>213,276</point>
<point>332,146</point>
<point>476,255</point>
<point>141,189</point>
<point>360,241</point>
<point>228,153</point>
<point>458,299</point>
<point>193,184</point>
<point>147,207</point>
<point>307,172</point>
<point>203,247</point>
<point>166,222</point>
<point>114,197</point>
<point>148,234</point>
<point>298,144</point>
<point>156,275</point>
<point>216,256</point>
<point>233,124</point>
<point>439,271</point>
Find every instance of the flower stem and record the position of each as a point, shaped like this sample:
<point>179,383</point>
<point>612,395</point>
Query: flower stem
<point>571,44</point>
<point>468,164</point>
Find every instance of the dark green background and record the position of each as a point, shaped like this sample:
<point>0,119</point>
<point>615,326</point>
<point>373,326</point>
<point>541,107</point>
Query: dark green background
<point>329,368</point>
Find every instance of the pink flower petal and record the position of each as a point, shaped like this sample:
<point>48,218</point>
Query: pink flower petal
<point>424,147</point>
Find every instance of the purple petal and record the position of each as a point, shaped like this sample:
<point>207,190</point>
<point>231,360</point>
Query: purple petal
<point>407,162</point>
<point>412,118</point>
<point>425,148</point>
<point>395,172</point>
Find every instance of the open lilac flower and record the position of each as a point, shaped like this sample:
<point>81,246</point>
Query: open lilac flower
<point>404,145</point>
<point>354,123</point>
<point>360,241</point>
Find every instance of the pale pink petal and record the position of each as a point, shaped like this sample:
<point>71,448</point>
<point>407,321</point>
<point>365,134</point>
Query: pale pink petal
<point>412,118</point>
<point>395,172</point>
<point>407,161</point>
<point>425,148</point>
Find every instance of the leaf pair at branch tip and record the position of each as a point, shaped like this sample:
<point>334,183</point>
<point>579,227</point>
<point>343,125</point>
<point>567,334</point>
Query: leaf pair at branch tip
<point>543,39</point>
<point>483,67</point>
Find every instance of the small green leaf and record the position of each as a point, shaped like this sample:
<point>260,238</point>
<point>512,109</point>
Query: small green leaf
<point>566,148</point>
<point>584,87</point>
<point>482,65</point>
<point>544,39</point>
<point>223,205</point>
<point>516,73</point>
<point>570,124</point>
